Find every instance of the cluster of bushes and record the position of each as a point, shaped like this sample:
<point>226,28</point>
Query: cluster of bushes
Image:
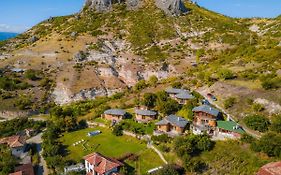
<point>189,147</point>
<point>229,102</point>
<point>263,124</point>
<point>160,101</point>
<point>10,84</point>
<point>53,148</point>
<point>257,122</point>
<point>14,126</point>
<point>269,143</point>
<point>7,160</point>
<point>33,75</point>
<point>271,82</point>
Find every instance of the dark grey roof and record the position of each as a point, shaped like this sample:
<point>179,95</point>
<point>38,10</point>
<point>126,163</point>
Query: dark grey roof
<point>115,112</point>
<point>207,109</point>
<point>184,96</point>
<point>174,120</point>
<point>176,91</point>
<point>145,112</point>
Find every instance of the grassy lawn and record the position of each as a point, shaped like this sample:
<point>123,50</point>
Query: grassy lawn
<point>112,146</point>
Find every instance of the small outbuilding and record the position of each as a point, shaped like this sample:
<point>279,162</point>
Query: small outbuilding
<point>114,114</point>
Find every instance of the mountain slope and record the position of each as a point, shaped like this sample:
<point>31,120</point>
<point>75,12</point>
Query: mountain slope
<point>90,54</point>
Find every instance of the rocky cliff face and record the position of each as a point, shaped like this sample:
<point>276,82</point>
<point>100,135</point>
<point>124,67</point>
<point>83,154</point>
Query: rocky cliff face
<point>99,5</point>
<point>170,7</point>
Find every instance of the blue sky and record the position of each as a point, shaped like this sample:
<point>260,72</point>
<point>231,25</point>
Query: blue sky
<point>244,8</point>
<point>19,15</point>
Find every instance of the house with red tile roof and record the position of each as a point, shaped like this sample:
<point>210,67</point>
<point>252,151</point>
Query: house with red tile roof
<point>98,164</point>
<point>273,168</point>
<point>17,143</point>
<point>26,169</point>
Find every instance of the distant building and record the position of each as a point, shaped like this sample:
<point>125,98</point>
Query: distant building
<point>97,164</point>
<point>144,115</point>
<point>183,98</point>
<point>180,95</point>
<point>26,169</point>
<point>17,144</point>
<point>172,92</point>
<point>114,115</point>
<point>228,129</point>
<point>205,118</point>
<point>172,124</point>
<point>273,168</point>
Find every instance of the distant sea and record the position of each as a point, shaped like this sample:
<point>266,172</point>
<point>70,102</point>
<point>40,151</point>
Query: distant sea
<point>7,35</point>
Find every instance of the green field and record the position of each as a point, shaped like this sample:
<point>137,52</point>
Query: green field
<point>112,146</point>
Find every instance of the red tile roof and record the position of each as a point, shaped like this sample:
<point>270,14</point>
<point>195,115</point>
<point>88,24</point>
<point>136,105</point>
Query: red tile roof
<point>16,173</point>
<point>26,169</point>
<point>273,168</point>
<point>101,163</point>
<point>13,141</point>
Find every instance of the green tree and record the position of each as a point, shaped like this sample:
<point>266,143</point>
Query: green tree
<point>117,130</point>
<point>149,100</point>
<point>167,170</point>
<point>257,122</point>
<point>269,143</point>
<point>7,161</point>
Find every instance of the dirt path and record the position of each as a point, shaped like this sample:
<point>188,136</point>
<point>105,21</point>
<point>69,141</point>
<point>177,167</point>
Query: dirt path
<point>158,152</point>
<point>42,169</point>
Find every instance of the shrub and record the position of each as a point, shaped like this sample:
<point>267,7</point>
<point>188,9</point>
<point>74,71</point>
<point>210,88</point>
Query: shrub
<point>229,102</point>
<point>164,138</point>
<point>271,83</point>
<point>276,123</point>
<point>140,85</point>
<point>117,130</point>
<point>225,74</point>
<point>176,84</point>
<point>153,80</point>
<point>257,107</point>
<point>257,122</point>
<point>32,75</point>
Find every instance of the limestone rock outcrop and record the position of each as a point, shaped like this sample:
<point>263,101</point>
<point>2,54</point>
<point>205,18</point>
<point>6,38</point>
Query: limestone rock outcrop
<point>99,5</point>
<point>172,7</point>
